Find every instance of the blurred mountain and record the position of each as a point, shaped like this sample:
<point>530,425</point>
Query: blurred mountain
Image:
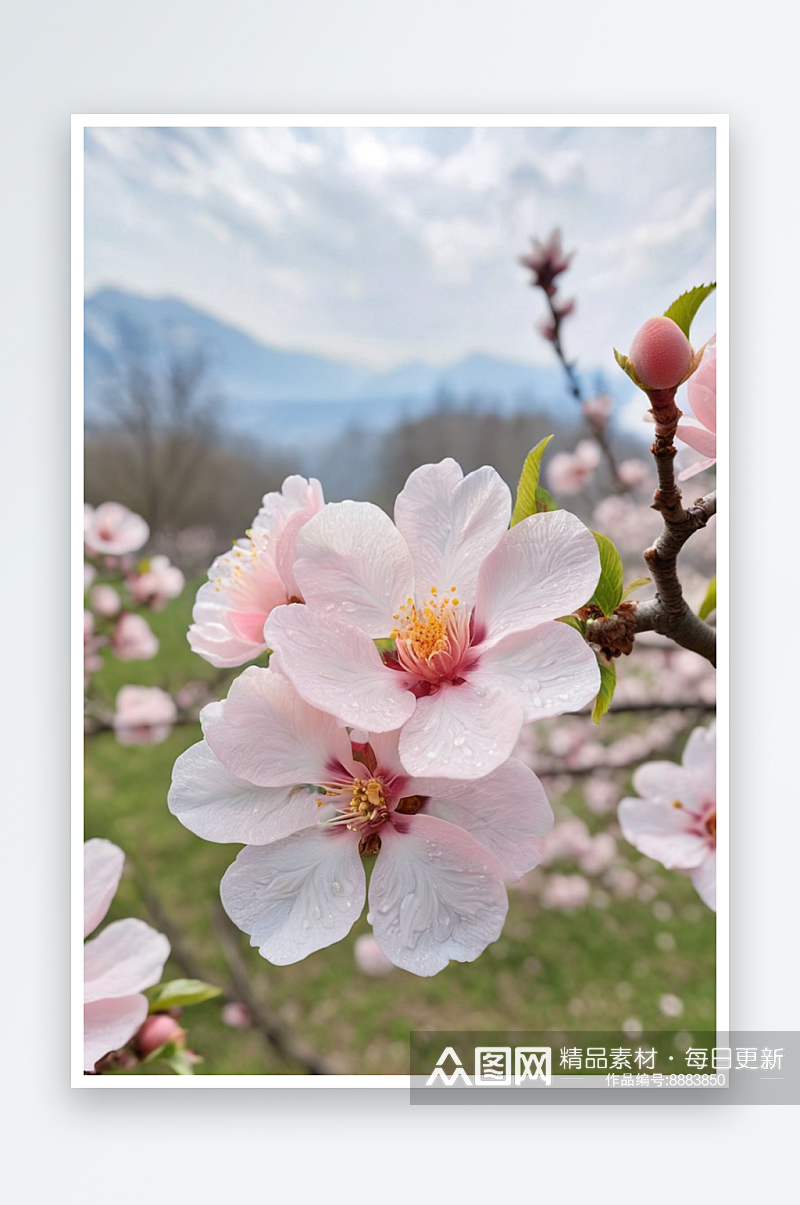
<point>291,398</point>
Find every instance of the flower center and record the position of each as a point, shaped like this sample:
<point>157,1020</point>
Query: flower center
<point>367,807</point>
<point>711,825</point>
<point>432,638</point>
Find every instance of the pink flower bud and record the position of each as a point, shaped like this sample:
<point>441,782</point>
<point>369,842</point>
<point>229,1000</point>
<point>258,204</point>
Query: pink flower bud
<point>660,354</point>
<point>156,1030</point>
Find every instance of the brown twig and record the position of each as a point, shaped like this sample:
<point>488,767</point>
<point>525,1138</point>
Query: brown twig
<point>669,613</point>
<point>239,989</point>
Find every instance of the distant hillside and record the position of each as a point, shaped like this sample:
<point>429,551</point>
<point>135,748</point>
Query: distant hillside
<point>291,398</point>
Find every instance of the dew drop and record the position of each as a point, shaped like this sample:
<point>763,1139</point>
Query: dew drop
<point>306,924</point>
<point>537,700</point>
<point>315,912</point>
<point>459,740</point>
<point>369,918</point>
<point>336,888</point>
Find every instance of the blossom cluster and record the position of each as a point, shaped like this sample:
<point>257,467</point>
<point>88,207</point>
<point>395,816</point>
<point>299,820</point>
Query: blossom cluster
<point>406,656</point>
<point>112,619</point>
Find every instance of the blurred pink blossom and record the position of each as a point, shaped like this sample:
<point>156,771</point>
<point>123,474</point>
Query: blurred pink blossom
<point>700,433</point>
<point>570,473</point>
<point>369,957</point>
<point>89,574</point>
<point>157,583</point>
<point>144,715</point>
<point>104,600</point>
<point>633,473</point>
<point>133,639</point>
<point>599,408</point>
<point>567,892</point>
<point>600,855</point>
<point>246,584</point>
<point>113,529</point>
<point>674,818</point>
<point>119,963</point>
<point>569,840</point>
<point>546,260</point>
<point>156,1030</point>
<point>236,1015</point>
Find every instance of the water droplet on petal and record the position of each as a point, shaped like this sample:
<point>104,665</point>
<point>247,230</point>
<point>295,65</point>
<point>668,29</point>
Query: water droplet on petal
<point>459,740</point>
<point>537,700</point>
<point>315,912</point>
<point>336,888</point>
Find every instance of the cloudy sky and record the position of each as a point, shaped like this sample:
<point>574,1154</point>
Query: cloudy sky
<point>384,245</point>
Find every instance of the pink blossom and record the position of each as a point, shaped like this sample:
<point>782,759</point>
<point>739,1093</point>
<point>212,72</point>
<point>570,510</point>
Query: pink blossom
<point>546,261</point>
<point>236,1015</point>
<point>247,583</point>
<point>568,892</point>
<point>143,715</point>
<point>674,820</point>
<point>92,661</point>
<point>600,855</point>
<point>599,408</point>
<point>633,473</point>
<point>157,583</point>
<point>700,433</point>
<point>156,1031</point>
<point>469,604</point>
<point>113,529</point>
<point>444,848</point>
<point>119,963</point>
<point>369,957</point>
<point>570,473</point>
<point>569,840</point>
<point>133,639</point>
<point>89,574</point>
<point>104,600</point>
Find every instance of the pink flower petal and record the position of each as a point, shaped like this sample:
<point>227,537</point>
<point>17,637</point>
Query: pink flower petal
<point>545,567</point>
<point>102,871</point>
<point>296,895</point>
<point>662,833</point>
<point>704,442</point>
<point>335,667</point>
<point>451,523</point>
<point>435,895</point>
<point>699,467</point>
<point>266,734</point>
<point>549,670</point>
<point>218,806</point>
<point>126,957</point>
<point>508,812</point>
<point>700,760</point>
<point>354,565</point>
<point>664,782</point>
<point>109,1024</point>
<point>704,878</point>
<point>460,731</point>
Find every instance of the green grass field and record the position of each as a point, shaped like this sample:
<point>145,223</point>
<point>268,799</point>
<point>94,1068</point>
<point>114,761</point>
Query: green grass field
<point>593,969</point>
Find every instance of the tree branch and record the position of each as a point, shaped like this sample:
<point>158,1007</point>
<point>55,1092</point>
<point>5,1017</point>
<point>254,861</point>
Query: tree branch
<point>668,613</point>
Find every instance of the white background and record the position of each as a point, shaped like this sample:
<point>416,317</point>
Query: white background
<point>369,56</point>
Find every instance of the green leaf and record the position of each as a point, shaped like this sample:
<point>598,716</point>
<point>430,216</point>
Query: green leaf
<point>180,993</point>
<point>385,645</point>
<point>608,593</point>
<point>526,503</point>
<point>167,1050</point>
<point>636,584</point>
<point>709,603</point>
<point>683,310</point>
<point>572,621</point>
<point>544,500</point>
<point>181,1063</point>
<point>608,683</point>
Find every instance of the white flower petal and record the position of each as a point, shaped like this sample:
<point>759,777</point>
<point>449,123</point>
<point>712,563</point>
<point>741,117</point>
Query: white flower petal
<point>435,895</point>
<point>460,732</point>
<point>451,523</point>
<point>219,806</point>
<point>126,957</point>
<point>507,811</point>
<point>545,567</point>
<point>109,1024</point>
<point>354,565</point>
<point>663,833</point>
<point>704,878</point>
<point>335,667</point>
<point>102,871</point>
<point>549,670</point>
<point>297,895</point>
<point>266,734</point>
<point>664,782</point>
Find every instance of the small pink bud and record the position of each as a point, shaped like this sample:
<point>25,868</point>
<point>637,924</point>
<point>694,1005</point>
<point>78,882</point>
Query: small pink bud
<point>660,354</point>
<point>156,1030</point>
